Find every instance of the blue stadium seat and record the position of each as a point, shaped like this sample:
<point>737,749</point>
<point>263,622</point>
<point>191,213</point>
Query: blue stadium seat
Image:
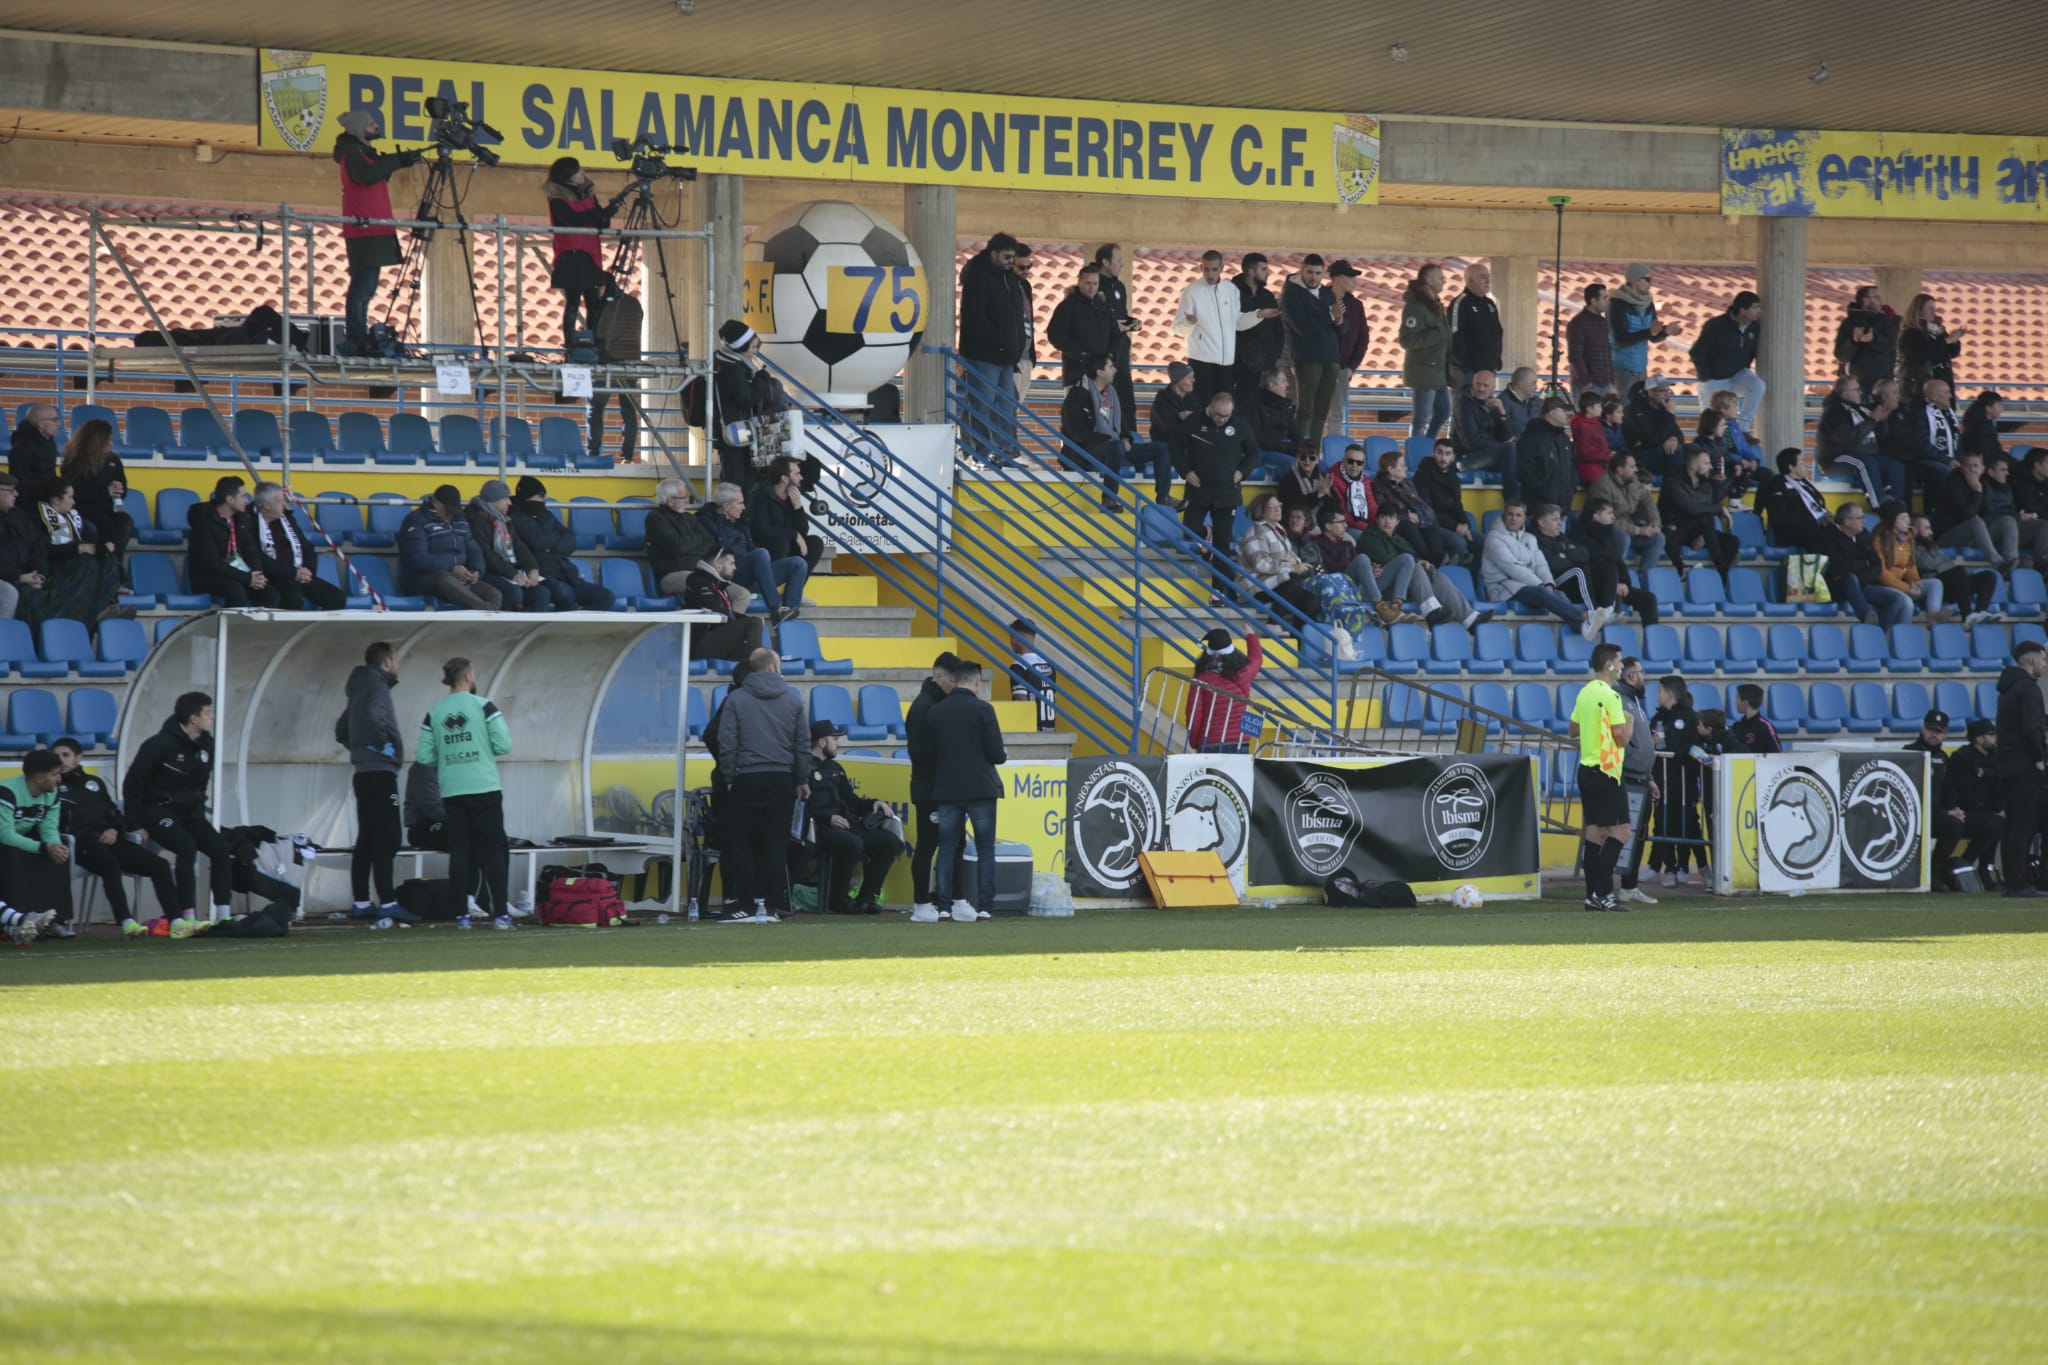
<point>360,439</point>
<point>312,436</point>
<point>1536,645</point>
<point>797,641</point>
<point>1333,451</point>
<point>1948,649</point>
<point>1662,648</point>
<point>167,627</point>
<point>1786,652</point>
<point>462,437</point>
<point>18,650</point>
<point>627,578</point>
<point>1746,590</point>
<point>1318,648</point>
<point>1785,705</point>
<point>1749,534</point>
<point>561,441</point>
<point>1869,651</point>
<point>591,520</point>
<point>632,532</point>
<point>91,715</point>
<point>1493,650</point>
<point>257,433</point>
<point>174,510</point>
<point>2023,631</point>
<point>1909,707</point>
<point>1987,700</point>
<point>156,577</point>
<point>32,711</point>
<point>1408,643</point>
<point>1989,647</point>
<point>67,643</point>
<point>341,517</point>
<point>1627,637</point>
<point>718,697</point>
<point>136,504</point>
<point>1665,585</point>
<point>1908,649</point>
<point>82,413</point>
<point>1450,652</point>
<point>1704,649</point>
<point>518,440</point>
<point>1744,647</point>
<point>1954,698</point>
<point>1492,698</point>
<point>1870,708</point>
<point>1573,650</point>
<point>387,513</point>
<point>698,717</point>
<point>1461,578</point>
<point>1567,698</point>
<point>879,705</point>
<point>199,437</point>
<point>1706,696</point>
<point>1828,708</point>
<point>1441,710</point>
<point>830,701</point>
<point>376,571</point>
<point>411,440</point>
<point>1704,593</point>
<point>1402,707</point>
<point>2025,592</point>
<point>147,431</point>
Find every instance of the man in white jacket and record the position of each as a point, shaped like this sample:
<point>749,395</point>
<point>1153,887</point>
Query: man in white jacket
<point>1512,569</point>
<point>1208,316</point>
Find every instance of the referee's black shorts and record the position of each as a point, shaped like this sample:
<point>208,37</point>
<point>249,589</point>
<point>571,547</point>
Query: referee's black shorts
<point>1601,799</point>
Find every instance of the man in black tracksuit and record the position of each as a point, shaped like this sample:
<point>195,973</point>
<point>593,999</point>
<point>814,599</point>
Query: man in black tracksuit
<point>924,762</point>
<point>165,797</point>
<point>845,840</point>
<point>2022,760</point>
<point>1969,806</point>
<point>1215,455</point>
<point>90,817</point>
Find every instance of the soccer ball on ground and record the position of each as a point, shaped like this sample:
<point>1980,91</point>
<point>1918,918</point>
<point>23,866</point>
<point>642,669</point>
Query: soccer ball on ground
<point>1467,897</point>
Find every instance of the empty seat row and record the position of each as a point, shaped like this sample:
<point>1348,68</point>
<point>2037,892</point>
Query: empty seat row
<point>361,438</point>
<point>62,647</point>
<point>89,715</point>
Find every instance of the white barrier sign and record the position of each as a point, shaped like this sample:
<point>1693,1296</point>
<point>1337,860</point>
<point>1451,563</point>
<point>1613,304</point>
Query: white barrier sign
<point>881,484</point>
<point>451,378</point>
<point>1798,823</point>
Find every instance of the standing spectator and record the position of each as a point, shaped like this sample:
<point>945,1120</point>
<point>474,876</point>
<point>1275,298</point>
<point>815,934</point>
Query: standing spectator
<point>678,540</point>
<point>32,455</point>
<point>509,562</point>
<point>1020,266</point>
<point>1266,555</point>
<point>1275,420</point>
<point>1083,326</point>
<point>839,818</point>
<point>779,581</point>
<point>1751,733</point>
<point>1607,578</point>
<point>1354,336</point>
<point>966,787</point>
<point>1980,423</point>
<point>83,578</point>
<point>1675,731</point>
<point>1639,528</point>
<point>290,563</point>
<point>98,831</point>
<point>365,199</point>
<point>1969,807</point>
<point>1892,539</point>
<point>1847,436</point>
<point>1600,725</point>
<point>1633,324</point>
<point>924,766</point>
<point>1650,428</point>
<point>1209,316</point>
<point>1724,356</point>
<point>1258,349</point>
<point>222,557</point>
<point>994,336</point>
<point>1545,467</point>
<point>1176,408</point>
<point>1972,590</point>
<point>1091,423</point>
<point>710,587</point>
<point>1225,677</point>
<point>164,795</point>
<point>764,744</point>
<point>1305,484</point>
<point>1109,257</point>
<point>1856,574</point>
<point>24,558</point>
<point>1693,512</point>
<point>1867,342</point>
<point>1475,327</point>
<point>1959,516</point>
<point>1523,399</point>
<point>1214,458</point>
<point>1312,313</point>
<point>100,480</point>
<point>780,523</point>
<point>376,751</point>
<point>462,739</point>
<point>1435,595</point>
<point>1481,432</point>
<point>1392,487</point>
<point>1426,351</point>
<point>1512,567</point>
<point>1590,451</point>
<point>1589,345</point>
<point>35,862</point>
<point>1638,773</point>
<point>578,256</point>
<point>438,558</point>
<point>1927,350</point>
<point>554,546</point>
<point>2022,760</point>
<point>1438,484</point>
<point>745,393</point>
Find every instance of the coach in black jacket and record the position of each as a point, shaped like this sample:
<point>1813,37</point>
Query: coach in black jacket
<point>2022,759</point>
<point>924,838</point>
<point>967,742</point>
<point>164,795</point>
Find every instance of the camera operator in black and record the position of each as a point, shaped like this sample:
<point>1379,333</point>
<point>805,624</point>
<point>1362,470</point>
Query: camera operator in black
<point>579,260</point>
<point>838,816</point>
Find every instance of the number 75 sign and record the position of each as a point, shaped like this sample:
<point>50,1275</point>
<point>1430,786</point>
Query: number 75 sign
<point>871,299</point>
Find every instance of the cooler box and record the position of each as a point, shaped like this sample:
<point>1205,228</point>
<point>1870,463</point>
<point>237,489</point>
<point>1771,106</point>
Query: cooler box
<point>1014,866</point>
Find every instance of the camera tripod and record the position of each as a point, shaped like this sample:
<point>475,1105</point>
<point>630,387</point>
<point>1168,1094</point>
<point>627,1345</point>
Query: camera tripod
<point>640,216</point>
<point>437,197</point>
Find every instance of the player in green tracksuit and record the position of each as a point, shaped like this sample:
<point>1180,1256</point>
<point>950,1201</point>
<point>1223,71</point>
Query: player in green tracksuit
<point>33,857</point>
<point>462,739</point>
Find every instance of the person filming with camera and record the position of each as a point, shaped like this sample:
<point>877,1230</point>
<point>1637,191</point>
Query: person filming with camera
<point>579,259</point>
<point>366,195</point>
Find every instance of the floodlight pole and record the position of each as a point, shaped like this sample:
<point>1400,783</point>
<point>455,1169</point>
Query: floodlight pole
<point>1557,201</point>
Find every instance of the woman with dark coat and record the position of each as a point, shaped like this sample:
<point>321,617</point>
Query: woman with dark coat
<point>84,579</point>
<point>579,258</point>
<point>98,477</point>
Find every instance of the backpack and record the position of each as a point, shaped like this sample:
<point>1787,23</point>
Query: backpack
<point>1343,889</point>
<point>426,897</point>
<point>567,899</point>
<point>272,921</point>
<point>618,329</point>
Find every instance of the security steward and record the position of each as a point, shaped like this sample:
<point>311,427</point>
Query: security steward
<point>1970,808</point>
<point>848,828</point>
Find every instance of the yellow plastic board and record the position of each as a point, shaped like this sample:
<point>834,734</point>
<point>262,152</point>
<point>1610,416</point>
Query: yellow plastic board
<point>1187,880</point>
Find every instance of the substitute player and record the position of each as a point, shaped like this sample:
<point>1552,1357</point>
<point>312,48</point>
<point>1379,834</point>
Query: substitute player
<point>1601,726</point>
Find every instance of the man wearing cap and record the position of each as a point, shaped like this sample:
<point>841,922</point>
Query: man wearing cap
<point>1258,346</point>
<point>848,829</point>
<point>1311,311</point>
<point>437,557</point>
<point>923,764</point>
<point>1475,327</point>
<point>1650,424</point>
<point>510,565</point>
<point>365,194</point>
<point>1724,357</point>
<point>1632,321</point>
<point>553,545</point>
<point>1032,676</point>
<point>1175,410</point>
<point>1354,335</point>
<point>1947,824</point>
<point>1968,805</point>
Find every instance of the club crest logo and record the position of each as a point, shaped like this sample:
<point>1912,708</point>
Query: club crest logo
<point>1457,816</point>
<point>1209,812</point>
<point>1322,823</point>
<point>295,97</point>
<point>865,467</point>
<point>1881,821</point>
<point>1797,824</point>
<point>1117,816</point>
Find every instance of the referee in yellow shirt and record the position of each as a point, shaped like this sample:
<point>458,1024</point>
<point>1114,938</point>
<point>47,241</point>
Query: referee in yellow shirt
<point>1601,725</point>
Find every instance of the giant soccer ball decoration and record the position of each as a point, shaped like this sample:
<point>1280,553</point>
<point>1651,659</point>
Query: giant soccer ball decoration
<point>1467,897</point>
<point>839,297</point>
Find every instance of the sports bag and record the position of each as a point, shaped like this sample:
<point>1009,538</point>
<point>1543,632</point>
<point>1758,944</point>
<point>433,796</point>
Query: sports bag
<point>566,899</point>
<point>1345,890</point>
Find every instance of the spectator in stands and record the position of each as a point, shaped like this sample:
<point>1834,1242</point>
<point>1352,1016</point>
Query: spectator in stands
<point>1633,324</point>
<point>24,558</point>
<point>1973,589</point>
<point>289,561</point>
<point>1565,561</point>
<point>1426,351</point>
<point>1440,489</point>
<point>2002,514</point>
<point>1224,678</point>
<point>966,786</point>
<point>369,730</point>
<point>1091,423</point>
<point>1967,804</point>
<point>745,393</point>
<point>1305,484</point>
<point>1606,565</point>
<point>1675,730</point>
<point>1523,399</point>
<point>1475,327</point>
<point>553,545</point>
<point>1392,487</point>
<point>1274,421</point>
<point>164,795</point>
<point>1898,568</point>
<point>924,762</point>
<point>1694,512</point>
<point>35,862</point>
<point>84,578</point>
<point>994,336</point>
<point>1980,423</point>
<point>1589,345</point>
<point>1742,445</point>
<point>763,742</point>
<point>1340,553</point>
<point>1258,346</point>
<point>678,540</point>
<point>1351,487</point>
<point>1847,436</point>
<point>1083,327</point>
<point>1020,266</point>
<point>100,480</point>
<point>2022,748</point>
<point>1600,726</point>
<point>1857,564</point>
<point>1109,258</point>
<point>1927,350</point>
<point>438,558</point>
<point>578,257</point>
<point>222,558</point>
<point>710,587</point>
<point>1267,556</point>
<point>780,582</point>
<point>1176,408</point>
<point>1650,427</point>
<point>1354,335</point>
<point>1032,676</point>
<point>1612,422</point>
<point>32,456</point>
<point>1481,432</point>
<point>1959,516</point>
<point>1209,316</point>
<point>1724,465</point>
<point>510,565</point>
<point>780,522</point>
<point>1724,356</point>
<point>93,820</point>
<point>1545,469</point>
<point>1590,451</point>
<point>1435,596</point>
<point>1512,568</point>
<point>366,195</point>
<point>1751,733</point>
<point>1215,457</point>
<point>1638,773</point>
<point>1926,435</point>
<point>462,738</point>
<point>1867,342</point>
<point>1311,312</point>
<point>1639,528</point>
<point>849,830</point>
<point>2029,493</point>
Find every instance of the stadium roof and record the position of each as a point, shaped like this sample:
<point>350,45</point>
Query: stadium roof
<point>1964,66</point>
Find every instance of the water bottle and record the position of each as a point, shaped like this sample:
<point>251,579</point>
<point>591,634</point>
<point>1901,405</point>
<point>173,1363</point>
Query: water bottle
<point>693,911</point>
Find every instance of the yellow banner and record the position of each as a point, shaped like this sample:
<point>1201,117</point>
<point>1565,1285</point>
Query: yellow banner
<point>839,132</point>
<point>1793,172</point>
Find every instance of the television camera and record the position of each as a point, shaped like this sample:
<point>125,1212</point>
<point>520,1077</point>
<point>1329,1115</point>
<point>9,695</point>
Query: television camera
<point>455,131</point>
<point>647,160</point>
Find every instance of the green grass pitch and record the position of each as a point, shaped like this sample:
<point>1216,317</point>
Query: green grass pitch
<point>1812,1130</point>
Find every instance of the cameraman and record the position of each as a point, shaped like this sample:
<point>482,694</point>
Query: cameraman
<point>365,194</point>
<point>579,259</point>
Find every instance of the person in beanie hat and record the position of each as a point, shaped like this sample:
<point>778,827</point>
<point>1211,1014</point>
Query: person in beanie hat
<point>510,565</point>
<point>1223,684</point>
<point>365,194</point>
<point>553,544</point>
<point>437,557</point>
<point>1175,410</point>
<point>1968,803</point>
<point>744,392</point>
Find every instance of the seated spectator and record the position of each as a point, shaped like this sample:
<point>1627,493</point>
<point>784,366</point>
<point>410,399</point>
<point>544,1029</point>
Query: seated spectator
<point>1959,516</point>
<point>32,456</point>
<point>1544,465</point>
<point>1847,439</point>
<point>710,587</point>
<point>1340,599</point>
<point>1980,423</point>
<point>1649,427</point>
<point>553,544</point>
<point>1691,505</point>
<point>1437,482</point>
<point>1274,421</point>
<point>1637,525</point>
<point>678,540</point>
<point>220,542</point>
<point>1874,603</point>
<point>848,829</point>
<point>2029,484</point>
<point>1175,411</point>
<point>1480,431</point>
<point>1523,399</point>
<point>1897,567</point>
<point>1215,456</point>
<point>1083,325</point>
<point>1607,578</point>
<point>1351,486</point>
<point>1926,436</point>
<point>510,565</point>
<point>1566,561</point>
<point>781,522</point>
<point>1613,423</point>
<point>1435,596</point>
<point>1724,466</point>
<point>779,582</point>
<point>1392,487</point>
<point>1305,484</point>
<point>1972,589</point>
<point>1512,569</point>
<point>98,832</point>
<point>1339,553</point>
<point>100,480</point>
<point>290,563</point>
<point>2002,514</point>
<point>24,558</point>
<point>1091,421</point>
<point>1590,451</point>
<point>1742,446</point>
<point>437,557</point>
<point>1266,554</point>
<point>1969,806</point>
<point>84,578</point>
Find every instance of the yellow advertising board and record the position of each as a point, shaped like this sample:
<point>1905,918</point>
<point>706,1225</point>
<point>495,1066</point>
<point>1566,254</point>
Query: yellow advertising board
<point>1796,172</point>
<point>838,132</point>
